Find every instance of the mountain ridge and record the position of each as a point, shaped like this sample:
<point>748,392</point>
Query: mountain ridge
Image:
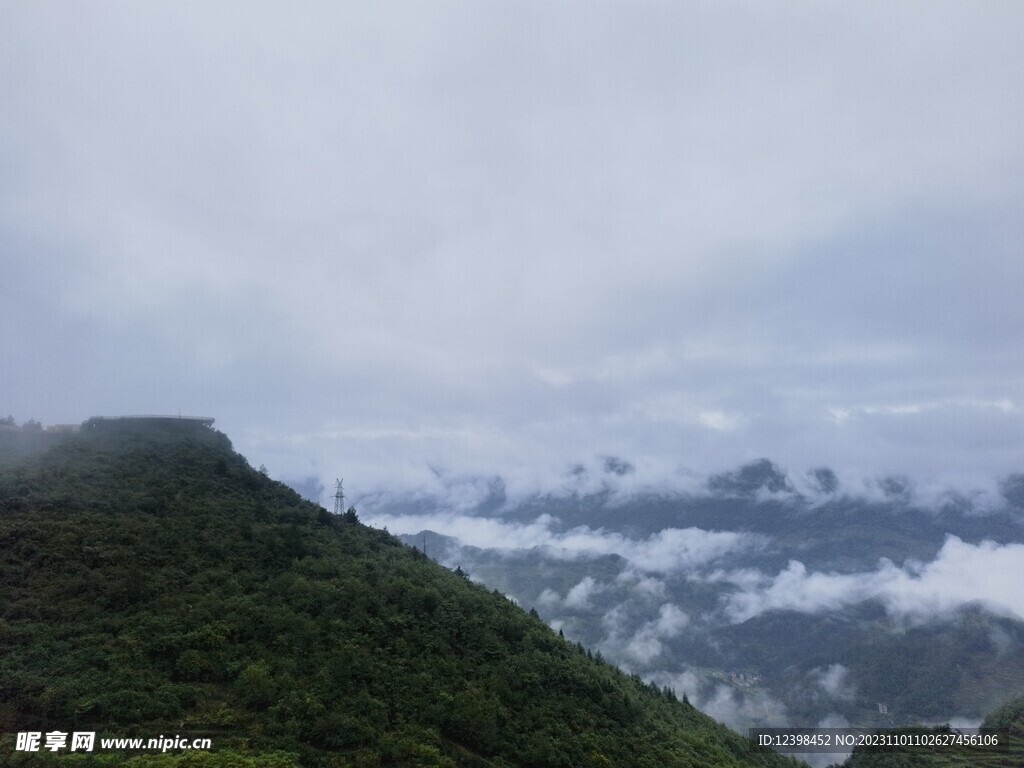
<point>156,582</point>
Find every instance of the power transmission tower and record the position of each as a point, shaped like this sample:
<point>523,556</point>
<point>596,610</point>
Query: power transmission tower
<point>339,498</point>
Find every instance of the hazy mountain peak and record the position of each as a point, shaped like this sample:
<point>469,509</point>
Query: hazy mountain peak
<point>750,479</point>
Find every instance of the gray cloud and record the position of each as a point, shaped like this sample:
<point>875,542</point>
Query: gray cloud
<point>506,238</point>
<point>961,574</point>
<point>640,584</point>
<point>668,550</point>
<point>578,597</point>
<point>646,645</point>
<point>548,598</point>
<point>834,680</point>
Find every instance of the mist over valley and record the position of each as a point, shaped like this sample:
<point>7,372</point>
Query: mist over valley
<point>765,605</point>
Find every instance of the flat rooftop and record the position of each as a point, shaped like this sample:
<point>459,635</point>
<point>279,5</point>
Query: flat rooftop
<point>206,421</point>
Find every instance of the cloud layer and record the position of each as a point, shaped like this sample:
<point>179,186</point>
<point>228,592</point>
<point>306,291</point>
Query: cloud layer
<point>514,236</point>
<point>671,549</point>
<point>987,573</point>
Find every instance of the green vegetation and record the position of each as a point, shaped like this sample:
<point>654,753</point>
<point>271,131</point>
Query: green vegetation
<point>1010,715</point>
<point>154,583</point>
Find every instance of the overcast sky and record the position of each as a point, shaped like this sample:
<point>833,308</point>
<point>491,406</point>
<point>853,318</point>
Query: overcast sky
<point>401,241</point>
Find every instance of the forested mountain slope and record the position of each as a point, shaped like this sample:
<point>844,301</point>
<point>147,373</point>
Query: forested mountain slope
<point>154,583</point>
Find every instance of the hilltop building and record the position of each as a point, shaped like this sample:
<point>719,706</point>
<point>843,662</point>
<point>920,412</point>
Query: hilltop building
<point>165,423</point>
<point>64,429</point>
